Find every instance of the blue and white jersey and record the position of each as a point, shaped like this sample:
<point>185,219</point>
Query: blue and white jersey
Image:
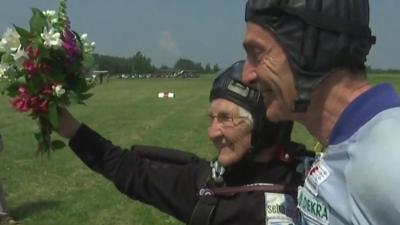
<point>357,180</point>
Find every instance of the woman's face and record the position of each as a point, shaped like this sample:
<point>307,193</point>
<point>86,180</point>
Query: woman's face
<point>229,131</point>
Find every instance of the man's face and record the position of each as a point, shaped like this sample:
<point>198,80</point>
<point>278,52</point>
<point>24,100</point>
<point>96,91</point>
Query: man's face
<point>229,132</point>
<point>267,66</point>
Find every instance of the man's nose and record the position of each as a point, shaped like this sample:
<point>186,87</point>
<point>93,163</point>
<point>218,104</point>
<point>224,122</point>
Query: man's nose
<point>249,75</point>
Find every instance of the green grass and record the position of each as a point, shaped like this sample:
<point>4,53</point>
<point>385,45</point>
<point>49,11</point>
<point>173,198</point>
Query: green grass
<point>61,190</point>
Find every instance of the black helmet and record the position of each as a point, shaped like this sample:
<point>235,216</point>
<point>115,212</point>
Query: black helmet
<point>228,85</point>
<point>318,36</point>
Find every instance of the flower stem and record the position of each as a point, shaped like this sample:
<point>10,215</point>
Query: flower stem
<point>44,145</point>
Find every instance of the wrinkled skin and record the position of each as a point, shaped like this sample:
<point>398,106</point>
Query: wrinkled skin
<point>232,143</point>
<point>267,66</point>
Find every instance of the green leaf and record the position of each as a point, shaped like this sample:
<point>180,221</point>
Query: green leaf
<point>20,79</point>
<point>53,115</point>
<point>57,144</point>
<point>44,52</point>
<point>38,137</point>
<point>37,21</point>
<point>25,35</point>
<point>86,96</point>
<point>74,97</point>
<point>12,89</point>
<point>64,101</point>
<point>7,58</point>
<point>88,60</point>
<point>34,84</point>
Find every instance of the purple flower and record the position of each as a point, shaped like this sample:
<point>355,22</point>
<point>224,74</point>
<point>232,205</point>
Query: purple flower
<point>69,44</point>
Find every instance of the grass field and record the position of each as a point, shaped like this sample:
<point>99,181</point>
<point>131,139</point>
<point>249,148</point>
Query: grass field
<point>60,190</point>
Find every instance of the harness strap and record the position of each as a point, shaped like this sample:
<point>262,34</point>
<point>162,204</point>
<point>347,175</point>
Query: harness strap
<point>204,210</point>
<point>208,199</point>
<point>272,188</point>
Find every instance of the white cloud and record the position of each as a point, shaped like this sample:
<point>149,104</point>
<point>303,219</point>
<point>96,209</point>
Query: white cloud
<point>167,43</point>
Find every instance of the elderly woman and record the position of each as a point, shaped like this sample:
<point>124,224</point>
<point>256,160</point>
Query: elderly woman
<point>252,180</point>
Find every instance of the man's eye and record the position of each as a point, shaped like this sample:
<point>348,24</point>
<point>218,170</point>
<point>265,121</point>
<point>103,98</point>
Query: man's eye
<point>256,54</point>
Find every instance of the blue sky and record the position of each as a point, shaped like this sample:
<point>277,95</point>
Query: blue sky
<point>206,31</point>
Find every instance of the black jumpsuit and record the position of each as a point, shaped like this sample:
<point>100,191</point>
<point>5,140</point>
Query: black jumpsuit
<point>171,181</point>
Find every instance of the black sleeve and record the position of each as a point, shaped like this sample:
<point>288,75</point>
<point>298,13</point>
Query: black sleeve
<point>164,178</point>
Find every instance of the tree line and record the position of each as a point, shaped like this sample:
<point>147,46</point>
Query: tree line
<point>139,63</point>
<point>382,71</point>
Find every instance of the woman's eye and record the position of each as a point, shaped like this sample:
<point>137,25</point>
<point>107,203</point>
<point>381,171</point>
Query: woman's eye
<point>223,117</point>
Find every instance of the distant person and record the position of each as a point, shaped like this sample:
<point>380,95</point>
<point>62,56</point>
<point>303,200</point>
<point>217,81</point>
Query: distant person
<point>308,58</point>
<point>5,218</point>
<point>101,77</point>
<point>253,180</point>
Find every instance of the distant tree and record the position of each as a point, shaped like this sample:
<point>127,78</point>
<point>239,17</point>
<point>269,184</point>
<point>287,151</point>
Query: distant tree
<point>141,64</point>
<point>207,69</point>
<point>184,64</point>
<point>199,68</point>
<point>164,67</point>
<point>216,68</point>
<point>112,63</point>
<point>187,64</point>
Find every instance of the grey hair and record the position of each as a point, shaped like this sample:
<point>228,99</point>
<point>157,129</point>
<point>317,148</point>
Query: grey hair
<point>247,115</point>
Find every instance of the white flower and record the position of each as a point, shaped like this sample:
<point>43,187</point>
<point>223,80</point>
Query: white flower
<point>10,41</point>
<point>3,45</point>
<point>19,57</point>
<point>54,21</point>
<point>51,38</point>
<point>88,46</point>
<point>58,90</point>
<point>84,37</point>
<point>3,70</point>
<point>49,13</point>
<point>51,16</point>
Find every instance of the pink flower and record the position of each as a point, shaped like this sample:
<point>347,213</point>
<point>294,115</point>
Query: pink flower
<point>21,103</point>
<point>39,105</point>
<point>23,91</point>
<point>32,53</point>
<point>30,67</point>
<point>46,89</point>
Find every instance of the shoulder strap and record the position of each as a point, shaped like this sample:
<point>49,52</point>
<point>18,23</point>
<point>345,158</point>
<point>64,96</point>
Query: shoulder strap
<point>204,210</point>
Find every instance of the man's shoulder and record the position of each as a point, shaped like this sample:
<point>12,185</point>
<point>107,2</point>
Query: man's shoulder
<point>384,127</point>
<point>374,155</point>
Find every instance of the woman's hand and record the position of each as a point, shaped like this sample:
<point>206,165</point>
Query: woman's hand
<point>67,124</point>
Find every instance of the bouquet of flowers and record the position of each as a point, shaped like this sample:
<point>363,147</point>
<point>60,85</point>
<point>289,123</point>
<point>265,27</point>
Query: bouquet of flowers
<point>44,68</point>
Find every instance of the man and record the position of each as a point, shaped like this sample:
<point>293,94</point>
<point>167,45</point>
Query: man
<point>252,181</point>
<point>308,58</point>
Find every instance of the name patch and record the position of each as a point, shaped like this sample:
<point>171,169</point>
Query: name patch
<point>280,209</point>
<point>314,210</point>
<point>316,176</point>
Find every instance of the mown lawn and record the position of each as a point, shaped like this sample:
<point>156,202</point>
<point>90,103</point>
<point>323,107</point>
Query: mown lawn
<point>60,190</point>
